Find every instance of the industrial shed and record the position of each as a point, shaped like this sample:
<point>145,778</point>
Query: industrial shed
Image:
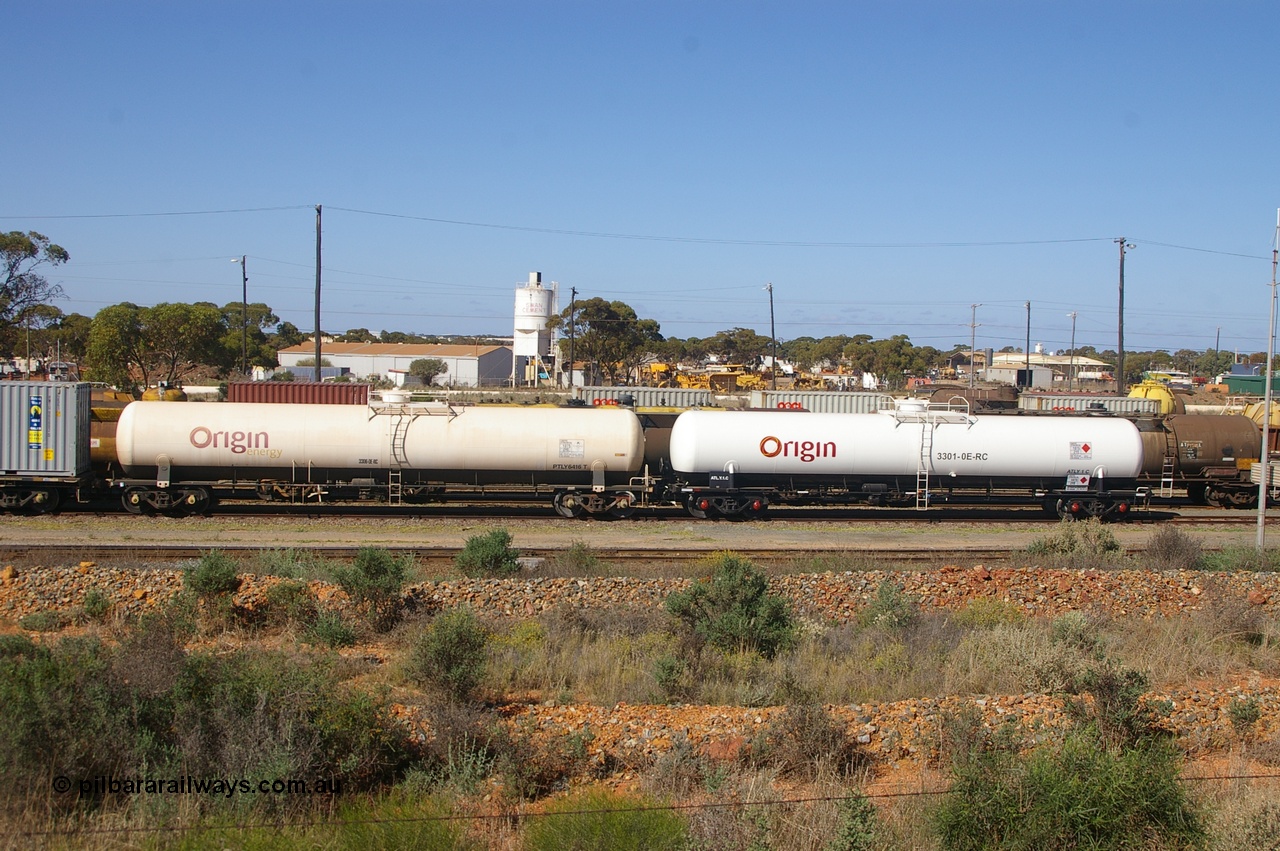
<point>469,365</point>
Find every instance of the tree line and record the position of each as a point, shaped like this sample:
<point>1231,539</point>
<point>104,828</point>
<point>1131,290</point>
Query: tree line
<point>127,344</point>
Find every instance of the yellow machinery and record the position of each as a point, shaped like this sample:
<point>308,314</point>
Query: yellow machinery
<point>1170,402</point>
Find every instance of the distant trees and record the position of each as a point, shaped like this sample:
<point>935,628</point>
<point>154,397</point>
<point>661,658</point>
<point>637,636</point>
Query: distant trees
<point>162,343</point>
<point>609,335</point>
<point>426,369</point>
<point>23,290</point>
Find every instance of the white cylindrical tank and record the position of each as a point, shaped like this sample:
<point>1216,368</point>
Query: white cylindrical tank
<point>339,442</point>
<point>535,305</point>
<point>803,445</point>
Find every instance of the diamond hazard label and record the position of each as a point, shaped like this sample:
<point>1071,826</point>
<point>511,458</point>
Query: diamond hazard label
<point>1081,451</point>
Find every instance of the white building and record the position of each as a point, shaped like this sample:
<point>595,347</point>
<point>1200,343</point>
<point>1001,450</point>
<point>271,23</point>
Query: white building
<point>469,365</point>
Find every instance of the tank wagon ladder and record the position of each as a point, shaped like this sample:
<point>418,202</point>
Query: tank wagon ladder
<point>922,471</point>
<point>931,415</point>
<point>402,416</point>
<point>1170,463</point>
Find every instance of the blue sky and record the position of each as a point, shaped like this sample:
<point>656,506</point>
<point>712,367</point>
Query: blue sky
<point>883,165</point>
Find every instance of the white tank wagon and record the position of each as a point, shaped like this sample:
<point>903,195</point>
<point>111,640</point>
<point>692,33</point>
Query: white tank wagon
<point>735,463</point>
<point>180,455</point>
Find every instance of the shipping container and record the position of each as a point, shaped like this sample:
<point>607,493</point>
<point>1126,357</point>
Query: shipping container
<point>822,401</point>
<point>1066,404</point>
<point>44,429</point>
<point>298,392</point>
<point>647,397</point>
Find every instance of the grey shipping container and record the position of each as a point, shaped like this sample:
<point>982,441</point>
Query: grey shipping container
<point>649,397</point>
<point>45,429</point>
<point>823,401</point>
<point>1125,405</point>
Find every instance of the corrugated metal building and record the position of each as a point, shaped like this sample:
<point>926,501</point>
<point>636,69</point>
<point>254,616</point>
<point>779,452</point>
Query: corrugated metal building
<point>469,365</point>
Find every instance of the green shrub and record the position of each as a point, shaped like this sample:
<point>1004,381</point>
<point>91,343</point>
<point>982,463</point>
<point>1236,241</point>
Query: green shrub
<point>890,609</point>
<point>988,612</point>
<point>856,830</point>
<point>451,654</point>
<point>1080,795</point>
<point>488,555</point>
<point>1118,712</point>
<point>1169,548</point>
<point>96,604</point>
<point>1244,714</point>
<point>330,629</point>
<point>1085,543</point>
<point>291,601</point>
<point>601,818</point>
<point>733,610</point>
<point>1242,559</point>
<point>578,560</point>
<point>214,574</point>
<point>376,579</point>
<point>48,620</point>
<point>292,564</point>
<point>803,739</point>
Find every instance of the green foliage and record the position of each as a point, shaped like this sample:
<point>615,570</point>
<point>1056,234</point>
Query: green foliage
<point>376,579</point>
<point>213,574</point>
<point>291,601</point>
<point>1244,713</point>
<point>1170,548</point>
<point>733,610</point>
<point>578,560</point>
<point>49,620</point>
<point>856,830</point>
<point>1118,712</point>
<point>891,608</point>
<point>22,288</point>
<point>1080,795</point>
<point>148,707</point>
<point>1088,538</point>
<point>292,564</point>
<point>1233,559</point>
<point>427,369</point>
<point>802,740</point>
<point>489,555</point>
<point>601,818</point>
<point>330,629</point>
<point>451,654</point>
<point>607,334</point>
<point>96,604</point>
<point>988,612</point>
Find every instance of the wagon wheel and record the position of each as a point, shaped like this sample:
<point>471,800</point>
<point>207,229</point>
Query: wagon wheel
<point>624,507</point>
<point>134,503</point>
<point>697,506</point>
<point>567,504</point>
<point>754,509</point>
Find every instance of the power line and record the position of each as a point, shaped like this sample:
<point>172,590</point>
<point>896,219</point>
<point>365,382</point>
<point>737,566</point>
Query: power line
<point>164,214</point>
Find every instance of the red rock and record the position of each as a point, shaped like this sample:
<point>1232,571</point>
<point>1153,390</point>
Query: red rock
<point>724,750</point>
<point>980,573</point>
<point>1258,597</point>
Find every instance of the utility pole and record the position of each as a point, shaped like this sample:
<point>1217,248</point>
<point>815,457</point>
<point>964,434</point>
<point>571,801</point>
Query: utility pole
<point>1071,374</point>
<point>1120,387</point>
<point>573,315</point>
<point>244,314</point>
<point>1028,345</point>
<point>317,368</point>
<point>973,342</point>
<point>1265,483</point>
<point>773,339</point>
